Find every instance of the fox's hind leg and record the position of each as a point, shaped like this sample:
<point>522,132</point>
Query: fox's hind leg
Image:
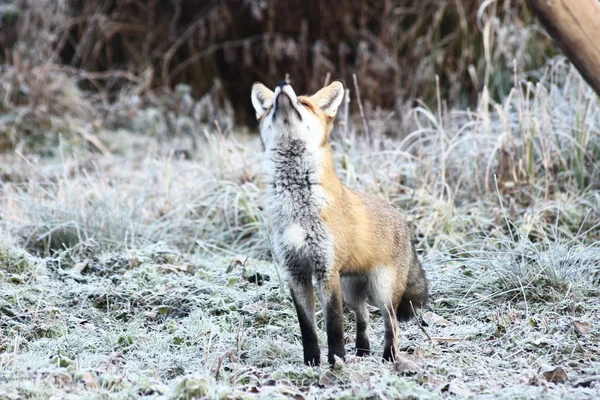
<point>355,296</point>
<point>391,332</point>
<point>383,293</point>
<point>303,296</point>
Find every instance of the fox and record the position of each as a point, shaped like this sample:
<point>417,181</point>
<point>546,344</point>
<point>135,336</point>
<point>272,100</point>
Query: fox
<point>352,248</point>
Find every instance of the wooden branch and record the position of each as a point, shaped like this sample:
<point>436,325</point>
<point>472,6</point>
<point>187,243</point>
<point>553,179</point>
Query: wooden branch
<point>575,27</point>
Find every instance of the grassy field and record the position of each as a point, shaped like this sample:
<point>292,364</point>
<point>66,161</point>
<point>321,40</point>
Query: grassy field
<point>144,269</point>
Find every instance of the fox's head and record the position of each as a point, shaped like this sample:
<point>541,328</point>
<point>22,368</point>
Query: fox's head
<point>282,114</point>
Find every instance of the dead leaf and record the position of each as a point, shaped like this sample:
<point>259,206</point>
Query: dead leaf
<point>457,388</point>
<point>338,363</point>
<point>184,268</point>
<point>432,380</point>
<point>150,314</point>
<point>236,262</point>
<point>328,379</point>
<point>257,278</point>
<point>82,267</point>
<point>418,354</point>
<point>581,327</point>
<point>406,366</point>
<point>62,379</point>
<point>90,381</point>
<point>432,319</point>
<point>530,379</point>
<point>589,382</point>
<point>557,375</point>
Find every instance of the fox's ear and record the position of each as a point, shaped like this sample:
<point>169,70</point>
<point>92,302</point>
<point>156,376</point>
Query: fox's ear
<point>330,97</point>
<point>262,99</point>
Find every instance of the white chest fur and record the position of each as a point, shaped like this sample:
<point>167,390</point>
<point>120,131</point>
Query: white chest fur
<point>295,200</point>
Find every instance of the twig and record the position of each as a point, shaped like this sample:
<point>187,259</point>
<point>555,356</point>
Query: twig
<point>218,369</point>
<point>91,76</point>
<point>445,339</point>
<point>219,129</point>
<point>508,223</point>
<point>420,320</point>
<point>16,345</point>
<point>394,322</point>
<point>327,78</point>
<point>240,335</point>
<point>346,112</point>
<point>360,108</point>
<point>442,136</point>
<point>214,48</point>
<point>91,138</point>
<point>37,308</point>
<point>180,41</point>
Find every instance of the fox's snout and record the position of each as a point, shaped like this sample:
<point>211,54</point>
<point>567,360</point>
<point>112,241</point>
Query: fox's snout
<point>285,100</point>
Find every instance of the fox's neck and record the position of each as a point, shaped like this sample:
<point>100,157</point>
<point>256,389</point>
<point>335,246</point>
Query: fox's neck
<point>292,166</point>
<point>330,180</point>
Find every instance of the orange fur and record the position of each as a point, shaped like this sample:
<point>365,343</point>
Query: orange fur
<point>368,254</point>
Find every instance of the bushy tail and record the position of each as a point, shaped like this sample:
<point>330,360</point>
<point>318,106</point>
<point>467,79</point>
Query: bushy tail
<point>417,291</point>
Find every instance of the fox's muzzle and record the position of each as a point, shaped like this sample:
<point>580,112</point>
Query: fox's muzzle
<point>285,100</point>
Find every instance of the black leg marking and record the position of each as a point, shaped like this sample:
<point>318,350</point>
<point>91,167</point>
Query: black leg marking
<point>391,334</point>
<point>363,348</point>
<point>334,322</point>
<point>304,300</point>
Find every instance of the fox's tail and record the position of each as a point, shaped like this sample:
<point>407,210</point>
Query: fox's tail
<point>416,292</point>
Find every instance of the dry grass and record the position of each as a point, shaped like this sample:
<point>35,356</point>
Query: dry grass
<point>395,47</point>
<point>134,273</point>
<point>134,255</point>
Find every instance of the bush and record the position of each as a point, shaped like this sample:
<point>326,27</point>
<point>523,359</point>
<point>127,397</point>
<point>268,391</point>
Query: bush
<point>395,47</point>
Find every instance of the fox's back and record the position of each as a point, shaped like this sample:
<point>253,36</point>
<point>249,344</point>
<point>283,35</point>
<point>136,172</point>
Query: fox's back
<point>368,231</point>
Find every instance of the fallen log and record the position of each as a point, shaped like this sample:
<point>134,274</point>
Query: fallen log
<point>575,27</point>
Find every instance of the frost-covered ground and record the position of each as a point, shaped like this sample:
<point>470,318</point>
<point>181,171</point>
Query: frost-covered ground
<point>146,271</point>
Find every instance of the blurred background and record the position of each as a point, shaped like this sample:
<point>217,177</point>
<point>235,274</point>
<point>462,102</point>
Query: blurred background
<point>197,59</point>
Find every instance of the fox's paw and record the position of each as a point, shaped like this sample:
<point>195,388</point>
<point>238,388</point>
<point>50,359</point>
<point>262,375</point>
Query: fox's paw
<point>312,358</point>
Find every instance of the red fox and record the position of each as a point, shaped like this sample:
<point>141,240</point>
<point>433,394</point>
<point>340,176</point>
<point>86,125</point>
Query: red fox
<point>357,247</point>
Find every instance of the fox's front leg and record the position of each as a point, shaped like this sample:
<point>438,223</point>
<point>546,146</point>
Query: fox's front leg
<point>303,296</point>
<point>331,295</point>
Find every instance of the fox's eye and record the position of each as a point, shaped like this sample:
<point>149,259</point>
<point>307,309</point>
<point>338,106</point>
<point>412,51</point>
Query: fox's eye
<point>306,104</point>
